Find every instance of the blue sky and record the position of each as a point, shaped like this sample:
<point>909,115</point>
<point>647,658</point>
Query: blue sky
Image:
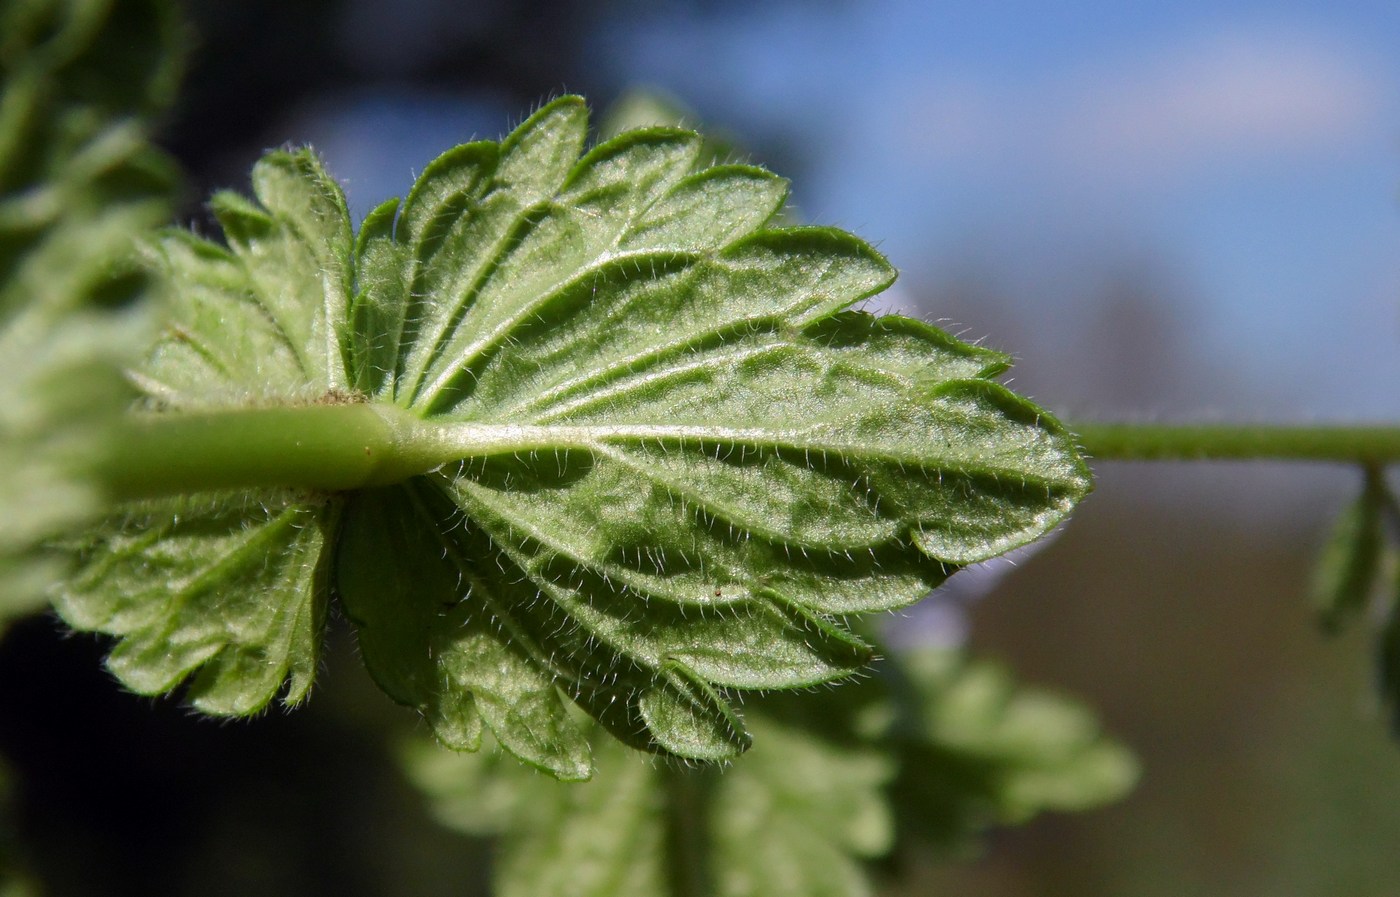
<point>1248,154</point>
<point>1251,151</point>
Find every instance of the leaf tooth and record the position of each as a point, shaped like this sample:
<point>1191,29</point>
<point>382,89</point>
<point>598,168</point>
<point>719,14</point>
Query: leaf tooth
<point>626,176</point>
<point>918,351</point>
<point>488,218</point>
<point>463,171</point>
<point>689,718</point>
<point>537,156</point>
<point>313,228</point>
<point>710,209</point>
<point>241,219</point>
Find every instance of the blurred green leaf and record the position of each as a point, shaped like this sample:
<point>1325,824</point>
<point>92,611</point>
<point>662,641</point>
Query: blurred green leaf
<point>1348,568</point>
<point>79,183</point>
<point>947,746</point>
<point>977,750</point>
<point>791,817</point>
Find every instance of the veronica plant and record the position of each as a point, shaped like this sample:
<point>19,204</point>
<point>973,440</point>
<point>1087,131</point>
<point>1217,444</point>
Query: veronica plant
<point>561,423</point>
<point>589,446</point>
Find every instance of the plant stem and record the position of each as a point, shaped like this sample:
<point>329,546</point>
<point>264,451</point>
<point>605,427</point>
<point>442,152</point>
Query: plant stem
<point>1370,445</point>
<point>350,446</point>
<point>687,836</point>
<point>323,447</point>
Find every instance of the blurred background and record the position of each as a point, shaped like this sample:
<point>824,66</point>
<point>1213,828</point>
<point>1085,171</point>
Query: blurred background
<point>1165,211</point>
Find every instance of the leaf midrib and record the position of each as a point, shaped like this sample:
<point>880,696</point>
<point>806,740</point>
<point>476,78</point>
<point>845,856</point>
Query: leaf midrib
<point>459,441</point>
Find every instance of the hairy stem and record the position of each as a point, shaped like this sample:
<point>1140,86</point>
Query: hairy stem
<point>1369,445</point>
<point>324,447</point>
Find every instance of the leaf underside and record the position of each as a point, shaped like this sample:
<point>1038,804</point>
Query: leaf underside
<point>747,459</point>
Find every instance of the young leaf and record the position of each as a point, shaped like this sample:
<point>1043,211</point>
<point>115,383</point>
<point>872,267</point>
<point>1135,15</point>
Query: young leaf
<point>78,184</point>
<point>1347,570</point>
<point>657,454</point>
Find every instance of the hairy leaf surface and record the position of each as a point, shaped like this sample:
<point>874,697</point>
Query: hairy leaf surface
<point>232,588</point>
<point>236,593</point>
<point>724,455</point>
<point>673,455</point>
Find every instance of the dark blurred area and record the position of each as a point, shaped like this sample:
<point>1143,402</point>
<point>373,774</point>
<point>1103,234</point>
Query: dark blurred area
<point>256,62</point>
<point>1173,602</point>
<point>122,795</point>
<point>260,69</point>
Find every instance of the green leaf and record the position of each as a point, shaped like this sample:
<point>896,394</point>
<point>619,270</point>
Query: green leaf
<point>793,817</point>
<point>261,321</point>
<point>79,183</point>
<point>945,746</point>
<point>718,454</point>
<point>660,455</point>
<point>798,816</point>
<point>604,837</point>
<point>232,589</point>
<point>402,581</point>
<point>976,750</point>
<point>237,593</point>
<point>1349,565</point>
